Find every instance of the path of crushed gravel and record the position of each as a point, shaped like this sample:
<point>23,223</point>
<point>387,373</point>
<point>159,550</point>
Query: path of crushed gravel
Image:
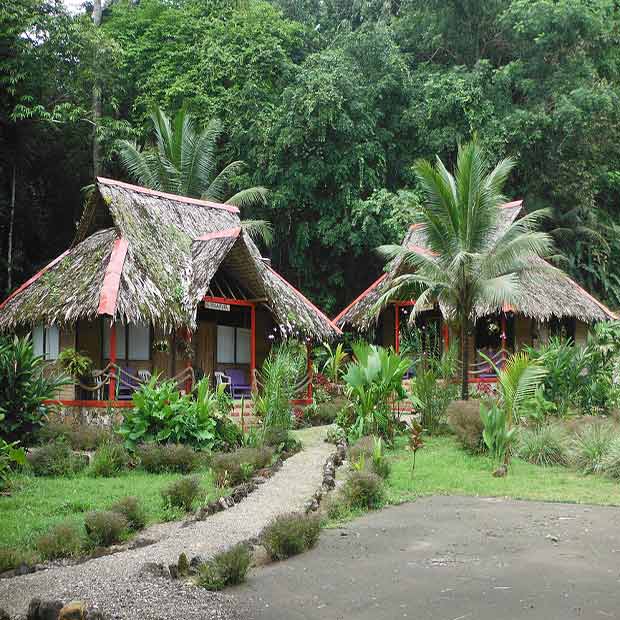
<point>112,584</point>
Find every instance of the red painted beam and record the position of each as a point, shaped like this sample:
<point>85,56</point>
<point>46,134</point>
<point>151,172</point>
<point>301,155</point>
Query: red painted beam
<point>95,404</point>
<point>112,279</point>
<point>232,302</point>
<point>152,192</point>
<point>34,278</point>
<point>253,346</point>
<point>220,234</point>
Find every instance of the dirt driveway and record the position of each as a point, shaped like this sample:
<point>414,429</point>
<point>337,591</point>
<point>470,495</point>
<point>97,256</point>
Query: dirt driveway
<point>452,558</point>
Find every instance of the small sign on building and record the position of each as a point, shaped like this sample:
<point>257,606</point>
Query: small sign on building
<point>214,305</point>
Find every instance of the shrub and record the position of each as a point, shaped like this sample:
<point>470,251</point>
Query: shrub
<point>335,435</point>
<point>14,558</point>
<point>156,458</point>
<point>55,459</point>
<point>361,448</point>
<point>227,568</point>
<point>10,456</point>
<point>589,447</point>
<point>236,467</point>
<point>109,459</point>
<point>326,412</point>
<point>23,389</point>
<point>182,493</point>
<point>133,511</point>
<point>79,438</point>
<point>64,540</point>
<point>281,439</point>
<point>611,461</point>
<point>546,445</point>
<point>464,420</point>
<point>105,527</point>
<point>290,534</point>
<point>363,489</point>
<point>161,414</point>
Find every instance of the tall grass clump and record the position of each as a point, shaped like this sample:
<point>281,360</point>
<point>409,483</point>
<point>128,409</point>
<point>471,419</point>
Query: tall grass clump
<point>547,445</point>
<point>610,463</point>
<point>289,535</point>
<point>590,447</point>
<point>228,568</point>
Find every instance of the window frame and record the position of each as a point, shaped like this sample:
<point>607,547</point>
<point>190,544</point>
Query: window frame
<point>125,340</point>
<point>235,358</point>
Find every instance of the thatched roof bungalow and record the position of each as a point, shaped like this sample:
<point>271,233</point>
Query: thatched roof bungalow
<point>546,305</point>
<point>147,267</point>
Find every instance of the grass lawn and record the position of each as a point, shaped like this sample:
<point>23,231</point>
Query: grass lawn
<point>444,468</point>
<point>36,504</point>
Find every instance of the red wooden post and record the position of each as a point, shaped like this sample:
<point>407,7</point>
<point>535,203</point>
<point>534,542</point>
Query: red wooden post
<point>112,386</point>
<point>253,345</point>
<point>446,336</point>
<point>309,362</point>
<point>188,361</point>
<point>396,328</point>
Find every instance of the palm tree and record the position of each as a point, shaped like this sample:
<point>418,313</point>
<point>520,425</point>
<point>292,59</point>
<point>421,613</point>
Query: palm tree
<point>184,162</point>
<point>472,259</point>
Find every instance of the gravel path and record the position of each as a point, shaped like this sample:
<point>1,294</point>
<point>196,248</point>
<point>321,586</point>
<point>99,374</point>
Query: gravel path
<point>112,583</point>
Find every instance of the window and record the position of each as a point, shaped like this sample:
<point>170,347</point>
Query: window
<point>233,345</point>
<point>133,342</point>
<point>46,341</point>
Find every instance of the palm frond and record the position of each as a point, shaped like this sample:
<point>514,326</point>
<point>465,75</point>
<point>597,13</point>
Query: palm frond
<point>219,186</point>
<point>250,197</point>
<point>258,230</point>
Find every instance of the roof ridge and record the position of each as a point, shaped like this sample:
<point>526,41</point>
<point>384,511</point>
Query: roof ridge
<point>175,197</point>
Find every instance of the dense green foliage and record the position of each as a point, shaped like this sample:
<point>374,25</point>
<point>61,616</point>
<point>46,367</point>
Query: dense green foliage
<point>329,104</point>
<point>23,387</point>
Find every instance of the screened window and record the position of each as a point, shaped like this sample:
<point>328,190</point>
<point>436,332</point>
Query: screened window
<point>233,345</point>
<point>46,341</point>
<point>133,342</point>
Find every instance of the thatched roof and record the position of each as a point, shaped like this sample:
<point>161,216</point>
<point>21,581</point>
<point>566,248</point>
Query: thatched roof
<point>145,256</point>
<point>545,292</point>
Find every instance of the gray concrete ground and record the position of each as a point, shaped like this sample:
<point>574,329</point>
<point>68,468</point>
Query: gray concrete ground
<point>451,558</point>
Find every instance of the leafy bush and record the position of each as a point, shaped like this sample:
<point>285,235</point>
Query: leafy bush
<point>55,459</point>
<point>23,389</point>
<point>182,493</point>
<point>335,435</point>
<point>590,446</point>
<point>109,460</point>
<point>64,540</point>
<point>10,455</point>
<point>227,568</point>
<point>546,445</point>
<point>162,414</point>
<point>79,438</point>
<point>610,463</point>
<point>14,558</point>
<point>361,448</point>
<point>104,527</point>
<point>497,434</point>
<point>233,468</point>
<point>431,389</point>
<point>373,380</point>
<point>363,489</point>
<point>290,535</point>
<point>157,458</point>
<point>280,439</point>
<point>277,383</point>
<point>464,420</point>
<point>133,511</point>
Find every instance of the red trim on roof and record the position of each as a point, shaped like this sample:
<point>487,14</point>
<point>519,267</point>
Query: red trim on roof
<point>112,279</point>
<point>416,226</point>
<point>185,199</point>
<point>220,234</point>
<point>35,277</point>
<point>305,299</point>
<point>509,205</point>
<point>361,296</point>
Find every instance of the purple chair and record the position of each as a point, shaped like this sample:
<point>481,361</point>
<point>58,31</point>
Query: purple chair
<point>127,385</point>
<point>239,385</point>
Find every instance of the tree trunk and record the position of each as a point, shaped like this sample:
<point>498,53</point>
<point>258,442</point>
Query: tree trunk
<point>465,358</point>
<point>9,254</point>
<point>96,97</point>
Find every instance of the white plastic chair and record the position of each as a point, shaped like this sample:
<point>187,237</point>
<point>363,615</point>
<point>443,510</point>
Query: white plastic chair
<point>144,375</point>
<point>221,377</point>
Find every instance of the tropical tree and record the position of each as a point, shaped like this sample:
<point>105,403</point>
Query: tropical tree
<point>472,259</point>
<point>184,162</point>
